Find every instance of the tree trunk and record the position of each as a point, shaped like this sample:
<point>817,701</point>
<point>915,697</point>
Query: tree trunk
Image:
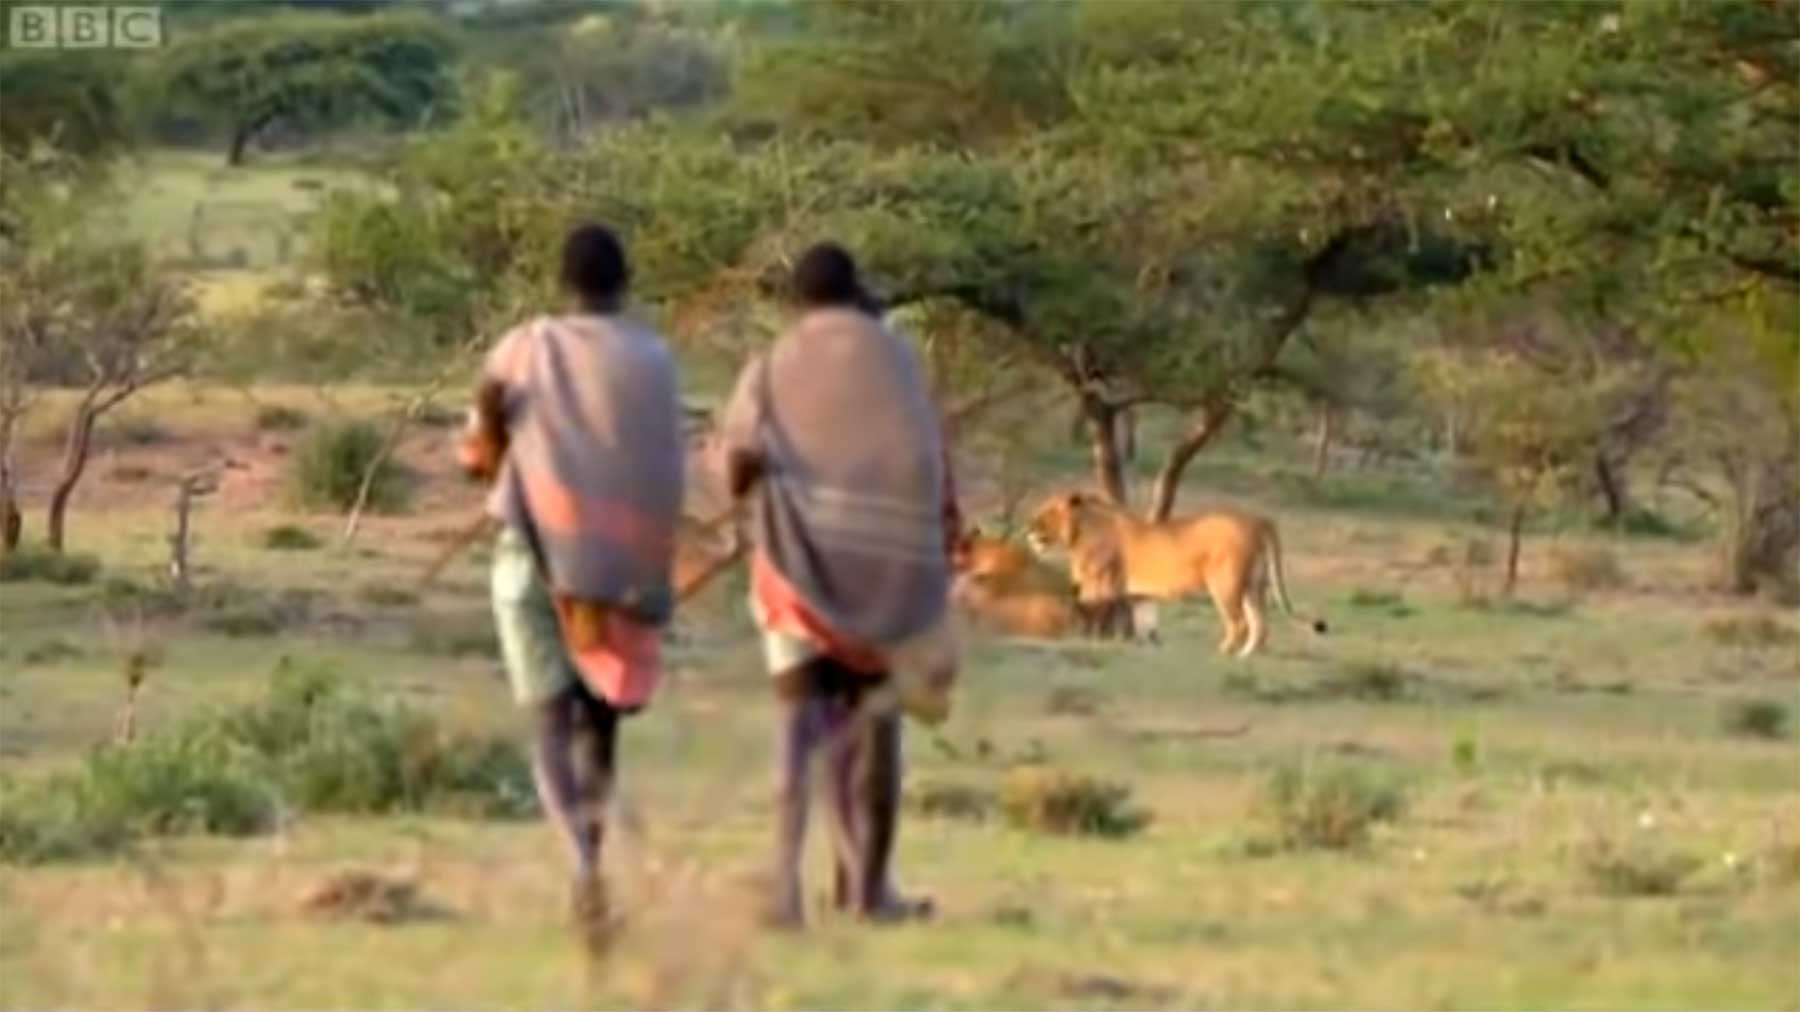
<point>1322,440</point>
<point>1512,550</point>
<point>1612,488</point>
<point>1125,428</point>
<point>1103,445</point>
<point>240,139</point>
<point>1168,479</point>
<point>11,521</point>
<point>75,458</point>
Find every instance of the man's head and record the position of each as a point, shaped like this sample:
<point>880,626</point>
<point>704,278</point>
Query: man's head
<point>593,266</point>
<point>826,277</point>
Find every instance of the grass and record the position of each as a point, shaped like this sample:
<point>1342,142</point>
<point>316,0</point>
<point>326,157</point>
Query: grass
<point>1485,890</point>
<point>33,562</point>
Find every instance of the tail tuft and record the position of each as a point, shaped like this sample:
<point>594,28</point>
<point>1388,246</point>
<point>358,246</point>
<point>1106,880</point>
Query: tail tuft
<point>1320,627</point>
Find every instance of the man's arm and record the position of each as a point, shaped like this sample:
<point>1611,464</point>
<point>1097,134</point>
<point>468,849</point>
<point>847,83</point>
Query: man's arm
<point>739,450</point>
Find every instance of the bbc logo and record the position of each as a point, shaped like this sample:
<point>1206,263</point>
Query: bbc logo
<point>109,27</point>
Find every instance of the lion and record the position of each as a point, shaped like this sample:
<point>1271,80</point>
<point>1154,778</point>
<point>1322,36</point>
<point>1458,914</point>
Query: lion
<point>1005,588</point>
<point>1231,554</point>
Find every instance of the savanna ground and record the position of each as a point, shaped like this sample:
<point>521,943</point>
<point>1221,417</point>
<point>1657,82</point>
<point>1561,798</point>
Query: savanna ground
<point>1566,807</point>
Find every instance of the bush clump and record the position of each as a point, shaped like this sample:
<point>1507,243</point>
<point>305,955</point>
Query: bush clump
<point>312,743</point>
<point>1046,800</point>
<point>1756,631</point>
<point>1586,568</point>
<point>1757,718</point>
<point>330,463</point>
<point>1331,806</point>
<point>1638,868</point>
<point>290,538</point>
<point>34,562</point>
<point>280,418</point>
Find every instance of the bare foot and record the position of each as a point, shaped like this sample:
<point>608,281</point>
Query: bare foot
<point>592,913</point>
<point>894,908</point>
<point>785,911</point>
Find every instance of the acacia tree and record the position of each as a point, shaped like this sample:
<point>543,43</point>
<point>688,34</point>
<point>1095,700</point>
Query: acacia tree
<point>129,322</point>
<point>309,70</point>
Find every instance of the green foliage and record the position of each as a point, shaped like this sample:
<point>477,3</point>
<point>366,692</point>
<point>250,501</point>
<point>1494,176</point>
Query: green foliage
<point>312,743</point>
<point>1331,805</point>
<point>1756,718</point>
<point>192,782</point>
<point>290,538</point>
<point>309,70</point>
<point>329,466</point>
<point>1046,800</point>
<point>34,562</point>
<point>67,99</point>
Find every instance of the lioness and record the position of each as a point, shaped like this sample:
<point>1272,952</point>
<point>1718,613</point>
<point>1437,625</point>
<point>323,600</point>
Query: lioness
<point>1005,588</point>
<point>1223,552</point>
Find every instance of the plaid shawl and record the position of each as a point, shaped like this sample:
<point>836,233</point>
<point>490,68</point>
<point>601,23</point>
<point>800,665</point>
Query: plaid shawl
<point>851,507</point>
<point>593,472</point>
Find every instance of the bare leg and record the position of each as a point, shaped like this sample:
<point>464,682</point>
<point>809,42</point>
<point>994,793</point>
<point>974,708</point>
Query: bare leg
<point>558,784</point>
<point>799,730</point>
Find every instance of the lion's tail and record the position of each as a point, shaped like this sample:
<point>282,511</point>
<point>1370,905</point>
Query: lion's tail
<point>1278,581</point>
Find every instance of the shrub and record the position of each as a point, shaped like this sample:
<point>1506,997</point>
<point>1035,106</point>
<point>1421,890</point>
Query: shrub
<point>33,562</point>
<point>1391,602</point>
<point>1586,568</point>
<point>137,430</point>
<point>164,785</point>
<point>1640,868</point>
<point>280,418</point>
<point>1756,718</point>
<point>1046,800</point>
<point>950,800</point>
<point>51,651</point>
<point>290,538</point>
<point>1331,806</point>
<point>311,743</point>
<point>383,595</point>
<point>1756,631</point>
<point>1371,680</point>
<point>328,469</point>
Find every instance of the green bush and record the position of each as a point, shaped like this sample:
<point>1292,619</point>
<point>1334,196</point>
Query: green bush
<point>329,465</point>
<point>1756,718</point>
<point>34,562</point>
<point>311,743</point>
<point>290,538</point>
<point>165,785</point>
<point>1046,800</point>
<point>950,800</point>
<point>1639,868</point>
<point>1331,806</point>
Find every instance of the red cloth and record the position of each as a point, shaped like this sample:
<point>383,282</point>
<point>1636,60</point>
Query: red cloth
<point>785,611</point>
<point>623,664</point>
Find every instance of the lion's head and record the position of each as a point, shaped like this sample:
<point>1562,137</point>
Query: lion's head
<point>1056,523</point>
<point>986,557</point>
